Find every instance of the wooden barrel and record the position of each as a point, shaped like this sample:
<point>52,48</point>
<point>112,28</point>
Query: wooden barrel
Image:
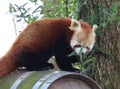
<point>47,80</point>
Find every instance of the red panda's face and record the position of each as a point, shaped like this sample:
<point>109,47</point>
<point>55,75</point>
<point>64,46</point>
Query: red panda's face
<point>83,38</point>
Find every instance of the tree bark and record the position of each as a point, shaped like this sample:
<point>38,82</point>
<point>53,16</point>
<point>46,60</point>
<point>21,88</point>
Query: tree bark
<point>107,66</point>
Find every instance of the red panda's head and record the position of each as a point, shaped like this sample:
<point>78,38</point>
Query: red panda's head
<point>83,38</point>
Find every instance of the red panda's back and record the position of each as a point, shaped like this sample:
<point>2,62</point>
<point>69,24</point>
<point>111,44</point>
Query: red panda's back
<point>43,33</point>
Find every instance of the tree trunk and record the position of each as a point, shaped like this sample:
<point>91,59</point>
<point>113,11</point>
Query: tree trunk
<point>107,66</point>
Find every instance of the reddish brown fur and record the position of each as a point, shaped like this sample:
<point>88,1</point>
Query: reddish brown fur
<point>36,30</point>
<point>85,34</point>
<point>7,62</point>
<point>87,30</point>
<point>30,40</point>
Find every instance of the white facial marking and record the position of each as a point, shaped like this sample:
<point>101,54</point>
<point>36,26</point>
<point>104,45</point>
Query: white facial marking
<point>84,50</point>
<point>91,45</point>
<point>77,50</point>
<point>73,42</point>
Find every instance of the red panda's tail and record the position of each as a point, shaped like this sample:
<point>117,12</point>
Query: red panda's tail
<point>8,63</point>
<point>6,66</point>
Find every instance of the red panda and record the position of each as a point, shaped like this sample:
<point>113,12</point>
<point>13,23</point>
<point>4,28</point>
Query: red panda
<point>47,37</point>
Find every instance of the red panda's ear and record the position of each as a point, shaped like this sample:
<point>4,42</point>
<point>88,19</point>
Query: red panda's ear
<point>75,25</point>
<point>94,27</point>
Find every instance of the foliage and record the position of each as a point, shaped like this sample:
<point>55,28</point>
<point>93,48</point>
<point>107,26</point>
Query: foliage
<point>87,64</point>
<point>26,12</point>
<point>60,8</point>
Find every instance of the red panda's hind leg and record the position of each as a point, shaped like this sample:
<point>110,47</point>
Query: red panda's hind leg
<point>35,61</point>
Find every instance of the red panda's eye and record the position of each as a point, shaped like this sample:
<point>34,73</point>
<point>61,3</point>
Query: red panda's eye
<point>77,45</point>
<point>87,48</point>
